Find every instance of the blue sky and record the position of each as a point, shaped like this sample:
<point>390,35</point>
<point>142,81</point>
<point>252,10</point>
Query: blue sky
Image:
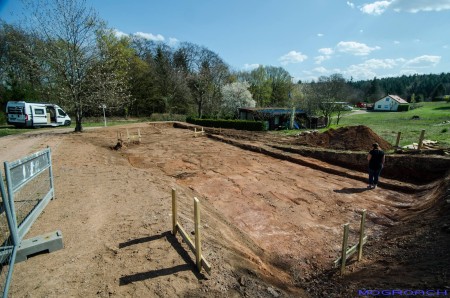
<point>309,38</point>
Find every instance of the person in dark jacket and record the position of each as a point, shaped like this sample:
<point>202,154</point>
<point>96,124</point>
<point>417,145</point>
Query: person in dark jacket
<point>376,160</point>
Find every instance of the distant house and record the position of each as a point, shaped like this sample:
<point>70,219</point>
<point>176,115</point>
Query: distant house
<point>389,103</point>
<point>276,118</point>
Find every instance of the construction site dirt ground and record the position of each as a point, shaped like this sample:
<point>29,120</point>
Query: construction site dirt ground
<point>270,228</point>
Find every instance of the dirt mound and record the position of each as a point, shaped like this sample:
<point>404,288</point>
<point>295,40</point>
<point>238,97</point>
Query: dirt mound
<point>345,138</point>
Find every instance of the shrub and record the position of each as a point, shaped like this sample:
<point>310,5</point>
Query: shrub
<point>444,130</point>
<point>235,124</point>
<point>2,118</point>
<point>403,108</point>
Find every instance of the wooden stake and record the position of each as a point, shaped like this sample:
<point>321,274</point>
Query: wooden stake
<point>139,134</point>
<point>198,247</point>
<point>361,235</point>
<point>128,136</point>
<point>422,135</point>
<point>398,139</point>
<point>344,248</point>
<point>174,212</point>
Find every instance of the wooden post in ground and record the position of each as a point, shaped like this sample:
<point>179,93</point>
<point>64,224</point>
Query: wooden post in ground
<point>344,248</point>
<point>174,212</point>
<point>422,135</point>
<point>128,136</point>
<point>139,135</point>
<point>398,139</point>
<point>198,247</point>
<point>361,235</point>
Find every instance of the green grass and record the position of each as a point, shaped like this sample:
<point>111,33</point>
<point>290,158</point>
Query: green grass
<point>7,130</point>
<point>10,130</point>
<point>434,119</point>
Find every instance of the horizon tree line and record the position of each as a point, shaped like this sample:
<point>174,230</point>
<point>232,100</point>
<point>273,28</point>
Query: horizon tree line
<point>67,55</point>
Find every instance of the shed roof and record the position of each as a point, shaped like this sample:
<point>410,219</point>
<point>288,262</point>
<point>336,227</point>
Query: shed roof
<point>272,111</point>
<point>397,99</point>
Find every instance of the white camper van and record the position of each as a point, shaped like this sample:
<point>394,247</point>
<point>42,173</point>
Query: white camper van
<point>26,114</point>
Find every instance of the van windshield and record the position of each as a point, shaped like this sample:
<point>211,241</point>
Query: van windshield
<point>61,113</point>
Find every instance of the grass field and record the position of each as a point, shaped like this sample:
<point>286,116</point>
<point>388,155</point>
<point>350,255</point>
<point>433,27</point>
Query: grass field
<point>433,117</point>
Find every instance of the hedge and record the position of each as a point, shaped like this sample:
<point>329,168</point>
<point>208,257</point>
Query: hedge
<point>403,108</point>
<point>235,124</point>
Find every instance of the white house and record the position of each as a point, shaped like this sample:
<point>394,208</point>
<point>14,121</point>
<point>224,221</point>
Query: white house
<point>389,103</point>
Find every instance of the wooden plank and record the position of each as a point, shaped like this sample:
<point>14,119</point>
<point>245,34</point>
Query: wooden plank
<point>344,248</point>
<point>189,242</point>
<point>186,237</point>
<point>174,212</point>
<point>350,252</point>
<point>422,135</point>
<point>198,244</point>
<point>398,139</point>
<point>361,235</point>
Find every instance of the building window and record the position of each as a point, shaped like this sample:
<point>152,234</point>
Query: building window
<point>387,98</point>
<point>386,107</point>
<point>379,106</point>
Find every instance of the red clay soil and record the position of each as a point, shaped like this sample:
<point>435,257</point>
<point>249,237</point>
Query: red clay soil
<point>345,138</point>
<point>270,228</point>
<point>356,138</point>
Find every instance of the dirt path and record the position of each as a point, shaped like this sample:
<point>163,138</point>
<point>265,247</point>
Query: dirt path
<point>267,224</point>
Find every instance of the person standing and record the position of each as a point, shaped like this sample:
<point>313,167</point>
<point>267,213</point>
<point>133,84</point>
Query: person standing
<point>376,160</point>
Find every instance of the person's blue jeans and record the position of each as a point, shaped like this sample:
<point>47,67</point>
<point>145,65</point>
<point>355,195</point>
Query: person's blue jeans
<point>373,176</point>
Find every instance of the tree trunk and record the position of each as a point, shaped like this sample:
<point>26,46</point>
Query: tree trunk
<point>200,109</point>
<point>79,116</point>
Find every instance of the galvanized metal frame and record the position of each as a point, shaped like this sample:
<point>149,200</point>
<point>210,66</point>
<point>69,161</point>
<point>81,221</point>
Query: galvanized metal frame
<point>18,174</point>
<point>6,250</point>
<point>15,183</point>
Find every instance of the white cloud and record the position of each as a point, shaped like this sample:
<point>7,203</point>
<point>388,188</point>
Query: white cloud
<point>319,34</point>
<point>150,36</point>
<point>396,42</point>
<point>375,8</point>
<point>326,55</point>
<point>119,34</point>
<point>173,41</point>
<point>367,69</point>
<point>352,5</point>
<point>381,63</point>
<point>423,61</point>
<point>320,59</point>
<point>251,66</point>
<point>414,6</point>
<point>320,69</point>
<point>355,48</point>
<point>292,57</point>
<point>326,51</point>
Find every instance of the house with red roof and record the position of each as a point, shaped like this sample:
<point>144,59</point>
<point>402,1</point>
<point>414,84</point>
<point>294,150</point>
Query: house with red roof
<point>390,103</point>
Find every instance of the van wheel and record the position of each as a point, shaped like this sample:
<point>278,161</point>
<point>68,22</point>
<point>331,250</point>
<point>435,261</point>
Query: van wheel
<point>67,123</point>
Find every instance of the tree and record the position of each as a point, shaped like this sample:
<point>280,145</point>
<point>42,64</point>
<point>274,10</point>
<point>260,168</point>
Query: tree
<point>205,73</point>
<point>22,71</point>
<point>260,86</point>
<point>328,94</point>
<point>281,85</point>
<point>69,32</point>
<point>107,83</point>
<point>235,95</point>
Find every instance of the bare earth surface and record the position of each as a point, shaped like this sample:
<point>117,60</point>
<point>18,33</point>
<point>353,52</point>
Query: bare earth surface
<point>270,228</point>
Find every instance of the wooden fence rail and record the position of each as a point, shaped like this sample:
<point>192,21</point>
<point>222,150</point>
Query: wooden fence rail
<point>196,247</point>
<point>346,253</point>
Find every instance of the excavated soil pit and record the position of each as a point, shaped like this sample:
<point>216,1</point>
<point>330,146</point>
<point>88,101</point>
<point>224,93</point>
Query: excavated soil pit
<point>267,224</point>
